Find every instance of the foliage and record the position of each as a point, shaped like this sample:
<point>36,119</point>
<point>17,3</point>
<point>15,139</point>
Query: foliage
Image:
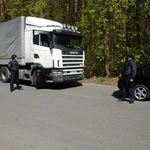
<point>109,27</point>
<point>103,79</point>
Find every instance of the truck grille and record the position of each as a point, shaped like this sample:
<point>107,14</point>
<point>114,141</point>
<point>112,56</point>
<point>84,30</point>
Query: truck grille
<point>72,61</point>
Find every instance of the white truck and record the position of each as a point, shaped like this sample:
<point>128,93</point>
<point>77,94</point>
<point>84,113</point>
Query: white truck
<point>47,51</point>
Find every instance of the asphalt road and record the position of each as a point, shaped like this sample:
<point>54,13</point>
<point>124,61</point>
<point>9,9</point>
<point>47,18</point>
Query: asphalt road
<point>77,117</point>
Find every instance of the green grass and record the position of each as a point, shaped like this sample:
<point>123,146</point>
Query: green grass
<point>103,79</point>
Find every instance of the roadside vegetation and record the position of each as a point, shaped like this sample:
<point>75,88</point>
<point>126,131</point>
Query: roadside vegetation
<point>109,28</point>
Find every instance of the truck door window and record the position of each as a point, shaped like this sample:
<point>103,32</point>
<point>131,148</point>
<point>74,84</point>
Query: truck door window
<point>36,39</point>
<point>44,40</point>
<point>40,39</point>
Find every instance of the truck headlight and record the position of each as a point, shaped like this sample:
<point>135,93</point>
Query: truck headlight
<point>59,73</point>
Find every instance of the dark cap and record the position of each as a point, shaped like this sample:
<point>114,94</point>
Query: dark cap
<point>128,53</point>
<point>13,56</point>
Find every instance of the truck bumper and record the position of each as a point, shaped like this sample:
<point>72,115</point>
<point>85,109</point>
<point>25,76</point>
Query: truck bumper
<point>67,78</point>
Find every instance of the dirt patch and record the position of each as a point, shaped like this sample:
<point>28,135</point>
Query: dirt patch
<point>101,80</point>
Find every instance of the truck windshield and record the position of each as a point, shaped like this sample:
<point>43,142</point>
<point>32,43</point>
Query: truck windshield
<point>66,41</point>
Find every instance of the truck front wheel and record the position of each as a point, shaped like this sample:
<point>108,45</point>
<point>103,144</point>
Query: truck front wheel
<point>4,74</point>
<point>38,78</point>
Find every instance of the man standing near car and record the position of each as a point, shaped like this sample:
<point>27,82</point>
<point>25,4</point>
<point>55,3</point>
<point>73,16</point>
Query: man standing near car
<point>129,73</point>
<point>13,66</point>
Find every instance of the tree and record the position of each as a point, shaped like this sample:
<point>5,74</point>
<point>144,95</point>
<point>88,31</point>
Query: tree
<point>3,10</point>
<point>109,28</point>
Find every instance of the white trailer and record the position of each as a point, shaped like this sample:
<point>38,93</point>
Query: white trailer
<point>47,51</point>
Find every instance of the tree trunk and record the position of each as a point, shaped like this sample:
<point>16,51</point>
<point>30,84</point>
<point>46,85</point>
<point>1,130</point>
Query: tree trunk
<point>41,9</point>
<point>3,10</point>
<point>106,53</point>
<point>75,10</point>
<point>67,9</point>
<point>82,11</point>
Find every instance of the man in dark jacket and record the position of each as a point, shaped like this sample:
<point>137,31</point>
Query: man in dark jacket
<point>129,73</point>
<point>13,66</point>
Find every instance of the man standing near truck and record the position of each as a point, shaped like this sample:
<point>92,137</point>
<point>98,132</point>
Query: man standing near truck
<point>128,75</point>
<point>13,66</point>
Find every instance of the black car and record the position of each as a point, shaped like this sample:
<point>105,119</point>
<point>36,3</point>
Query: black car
<point>142,83</point>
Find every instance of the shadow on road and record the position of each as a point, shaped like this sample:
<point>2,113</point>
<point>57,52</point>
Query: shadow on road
<point>61,86</point>
<point>118,94</point>
<point>53,86</point>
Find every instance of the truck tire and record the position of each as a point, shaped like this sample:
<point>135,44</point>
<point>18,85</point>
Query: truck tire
<point>38,79</point>
<point>4,74</point>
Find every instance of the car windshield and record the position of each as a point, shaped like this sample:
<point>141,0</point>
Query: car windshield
<point>65,41</point>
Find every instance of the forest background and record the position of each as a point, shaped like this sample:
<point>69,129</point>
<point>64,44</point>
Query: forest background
<point>109,27</point>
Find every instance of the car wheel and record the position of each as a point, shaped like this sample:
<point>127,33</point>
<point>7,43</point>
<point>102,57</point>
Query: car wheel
<point>141,92</point>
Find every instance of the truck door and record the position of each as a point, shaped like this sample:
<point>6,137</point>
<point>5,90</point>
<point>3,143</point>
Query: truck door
<point>42,53</point>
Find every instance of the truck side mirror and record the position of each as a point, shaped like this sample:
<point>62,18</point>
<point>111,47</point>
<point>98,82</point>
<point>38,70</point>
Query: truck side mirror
<point>51,44</point>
